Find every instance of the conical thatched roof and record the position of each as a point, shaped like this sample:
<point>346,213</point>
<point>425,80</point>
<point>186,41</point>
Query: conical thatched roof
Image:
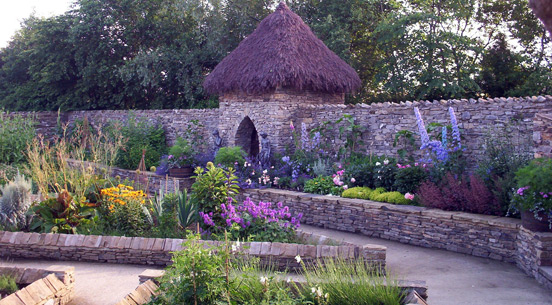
<point>282,52</point>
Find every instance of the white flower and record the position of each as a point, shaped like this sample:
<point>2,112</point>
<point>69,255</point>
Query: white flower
<point>319,292</point>
<point>378,164</point>
<point>326,296</point>
<point>265,171</point>
<point>313,290</point>
<point>298,258</point>
<point>234,248</point>
<point>248,181</point>
<point>288,280</point>
<point>245,164</point>
<point>238,244</point>
<point>385,161</point>
<point>264,280</point>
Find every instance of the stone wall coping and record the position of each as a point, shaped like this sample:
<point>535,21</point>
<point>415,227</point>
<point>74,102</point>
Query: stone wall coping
<point>53,283</point>
<point>421,103</point>
<point>406,209</point>
<point>410,104</point>
<point>141,295</point>
<point>546,116</point>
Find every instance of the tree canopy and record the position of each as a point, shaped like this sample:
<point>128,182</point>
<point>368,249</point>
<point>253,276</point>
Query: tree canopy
<point>130,54</point>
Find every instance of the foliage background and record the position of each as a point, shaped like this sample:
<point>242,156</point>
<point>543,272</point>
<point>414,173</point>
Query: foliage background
<point>128,54</point>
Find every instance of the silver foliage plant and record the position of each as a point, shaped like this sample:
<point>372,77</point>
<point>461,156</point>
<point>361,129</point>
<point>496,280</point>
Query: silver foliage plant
<point>15,201</point>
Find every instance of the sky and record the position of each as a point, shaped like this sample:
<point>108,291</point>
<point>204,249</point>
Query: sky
<point>14,11</point>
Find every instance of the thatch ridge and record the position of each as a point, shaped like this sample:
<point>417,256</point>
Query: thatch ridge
<point>282,52</point>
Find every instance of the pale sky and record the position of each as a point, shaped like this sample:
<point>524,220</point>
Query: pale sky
<point>14,11</point>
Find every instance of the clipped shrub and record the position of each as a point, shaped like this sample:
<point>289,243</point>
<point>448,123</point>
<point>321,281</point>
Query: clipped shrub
<point>229,156</point>
<point>396,198</point>
<point>375,193</point>
<point>15,201</point>
<point>358,192</point>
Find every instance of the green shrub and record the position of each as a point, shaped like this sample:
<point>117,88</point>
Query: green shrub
<point>141,134</point>
<point>14,203</point>
<point>130,219</point>
<point>213,187</point>
<point>534,183</point>
<point>506,150</point>
<point>180,154</point>
<point>16,132</point>
<point>8,284</point>
<point>228,156</point>
<point>322,185</point>
<point>408,179</point>
<point>357,193</point>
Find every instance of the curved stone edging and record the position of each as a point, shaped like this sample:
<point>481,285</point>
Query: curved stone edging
<point>493,237</point>
<point>158,251</point>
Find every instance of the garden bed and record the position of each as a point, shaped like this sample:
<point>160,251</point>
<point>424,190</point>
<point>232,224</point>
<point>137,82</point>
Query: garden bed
<point>54,285</point>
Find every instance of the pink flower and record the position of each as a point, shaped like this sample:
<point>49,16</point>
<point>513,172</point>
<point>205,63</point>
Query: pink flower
<point>353,180</point>
<point>409,196</point>
<point>345,187</point>
<point>291,126</point>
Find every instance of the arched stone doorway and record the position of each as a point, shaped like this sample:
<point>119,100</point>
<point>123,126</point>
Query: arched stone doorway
<point>247,137</point>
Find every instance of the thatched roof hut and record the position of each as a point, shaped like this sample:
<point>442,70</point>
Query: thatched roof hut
<point>282,52</point>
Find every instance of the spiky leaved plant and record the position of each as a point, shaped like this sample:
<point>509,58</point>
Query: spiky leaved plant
<point>15,200</point>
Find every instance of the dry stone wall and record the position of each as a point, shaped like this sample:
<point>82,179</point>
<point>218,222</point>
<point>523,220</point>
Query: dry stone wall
<point>273,113</point>
<point>54,285</point>
<point>542,135</point>
<point>158,251</point>
<point>476,119</point>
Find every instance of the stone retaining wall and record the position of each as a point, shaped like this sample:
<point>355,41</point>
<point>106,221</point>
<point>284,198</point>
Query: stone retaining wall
<point>493,237</point>
<point>54,285</point>
<point>157,251</point>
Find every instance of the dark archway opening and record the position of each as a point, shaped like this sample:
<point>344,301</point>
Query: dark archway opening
<point>247,137</point>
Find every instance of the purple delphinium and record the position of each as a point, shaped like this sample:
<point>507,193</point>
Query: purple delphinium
<point>421,128</point>
<point>455,129</point>
<point>444,137</point>
<point>304,137</point>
